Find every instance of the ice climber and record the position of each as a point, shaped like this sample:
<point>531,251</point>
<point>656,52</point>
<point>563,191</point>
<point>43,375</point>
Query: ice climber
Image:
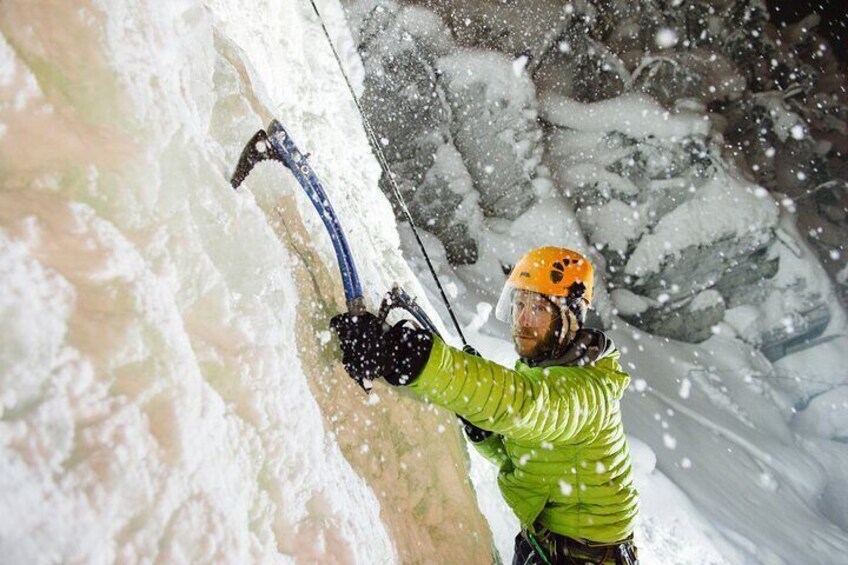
<point>552,424</point>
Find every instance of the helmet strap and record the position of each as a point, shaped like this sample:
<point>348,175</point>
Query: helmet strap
<point>569,326</point>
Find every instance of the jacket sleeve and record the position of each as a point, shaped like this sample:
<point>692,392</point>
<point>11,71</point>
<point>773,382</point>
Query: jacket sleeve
<point>492,448</point>
<point>556,404</point>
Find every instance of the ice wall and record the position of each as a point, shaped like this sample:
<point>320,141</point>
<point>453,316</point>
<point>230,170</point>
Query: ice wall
<point>167,387</point>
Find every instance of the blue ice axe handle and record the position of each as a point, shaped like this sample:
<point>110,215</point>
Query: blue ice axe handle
<point>276,144</point>
<point>282,144</point>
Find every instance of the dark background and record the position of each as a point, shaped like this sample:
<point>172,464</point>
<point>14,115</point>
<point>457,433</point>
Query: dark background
<point>834,22</point>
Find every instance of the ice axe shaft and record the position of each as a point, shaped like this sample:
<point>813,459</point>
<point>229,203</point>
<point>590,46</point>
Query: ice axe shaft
<point>276,144</point>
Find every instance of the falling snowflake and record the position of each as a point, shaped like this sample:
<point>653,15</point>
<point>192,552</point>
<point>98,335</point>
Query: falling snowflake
<point>665,38</point>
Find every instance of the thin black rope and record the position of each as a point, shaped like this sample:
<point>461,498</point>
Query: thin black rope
<point>384,165</point>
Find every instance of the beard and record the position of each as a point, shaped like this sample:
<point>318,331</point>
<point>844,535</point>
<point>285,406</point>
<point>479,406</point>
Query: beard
<point>532,344</point>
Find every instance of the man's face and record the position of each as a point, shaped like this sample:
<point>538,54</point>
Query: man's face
<point>533,324</point>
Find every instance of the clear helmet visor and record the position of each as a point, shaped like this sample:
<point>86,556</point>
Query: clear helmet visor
<point>505,306</point>
<point>503,310</point>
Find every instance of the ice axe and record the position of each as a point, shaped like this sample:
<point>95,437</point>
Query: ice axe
<point>276,144</point>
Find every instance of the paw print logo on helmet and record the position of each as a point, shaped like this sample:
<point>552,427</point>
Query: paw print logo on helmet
<point>559,268</point>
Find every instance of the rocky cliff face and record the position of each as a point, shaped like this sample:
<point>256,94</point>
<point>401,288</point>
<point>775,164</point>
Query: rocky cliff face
<point>458,127</point>
<point>652,118</point>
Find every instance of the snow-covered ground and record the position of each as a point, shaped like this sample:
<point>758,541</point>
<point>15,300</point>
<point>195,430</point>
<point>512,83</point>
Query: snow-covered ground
<point>168,388</point>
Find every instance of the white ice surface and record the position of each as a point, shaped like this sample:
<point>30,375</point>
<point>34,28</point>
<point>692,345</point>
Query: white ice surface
<point>154,405</point>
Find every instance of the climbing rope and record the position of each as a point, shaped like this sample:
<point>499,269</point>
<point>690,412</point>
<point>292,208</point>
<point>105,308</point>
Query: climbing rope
<point>387,173</point>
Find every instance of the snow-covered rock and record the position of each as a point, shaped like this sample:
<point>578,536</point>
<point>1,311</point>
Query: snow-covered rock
<point>826,415</point>
<point>405,104</point>
<point>494,127</point>
<point>580,68</point>
<point>700,74</point>
<point>670,222</point>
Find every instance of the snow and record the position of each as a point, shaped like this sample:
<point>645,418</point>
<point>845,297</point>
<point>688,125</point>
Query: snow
<point>616,223</point>
<point>725,207</point>
<point>494,106</point>
<point>786,123</point>
<point>665,38</point>
<point>826,415</point>
<point>745,320</point>
<point>609,183</point>
<point>706,299</point>
<point>722,401</point>
<point>636,115</point>
<point>814,370</point>
<point>628,303</point>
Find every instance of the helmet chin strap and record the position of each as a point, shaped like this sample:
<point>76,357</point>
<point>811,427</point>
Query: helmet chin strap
<point>568,330</point>
<point>561,337</point>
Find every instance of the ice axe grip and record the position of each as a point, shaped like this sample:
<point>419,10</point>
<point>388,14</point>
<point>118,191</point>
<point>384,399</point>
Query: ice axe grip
<point>356,306</point>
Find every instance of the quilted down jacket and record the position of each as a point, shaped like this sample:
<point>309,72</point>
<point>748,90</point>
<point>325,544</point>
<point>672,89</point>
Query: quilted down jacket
<point>557,433</point>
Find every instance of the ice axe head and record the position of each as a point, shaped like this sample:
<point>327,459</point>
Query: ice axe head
<point>255,151</point>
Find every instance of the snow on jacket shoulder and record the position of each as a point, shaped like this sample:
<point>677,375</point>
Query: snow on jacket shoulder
<point>559,441</point>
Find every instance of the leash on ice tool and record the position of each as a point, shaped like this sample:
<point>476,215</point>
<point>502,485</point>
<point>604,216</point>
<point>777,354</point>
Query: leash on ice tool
<point>387,173</point>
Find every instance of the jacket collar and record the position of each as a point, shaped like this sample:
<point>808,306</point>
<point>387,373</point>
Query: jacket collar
<point>588,345</point>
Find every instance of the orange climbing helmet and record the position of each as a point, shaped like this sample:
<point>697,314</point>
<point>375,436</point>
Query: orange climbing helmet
<point>560,274</point>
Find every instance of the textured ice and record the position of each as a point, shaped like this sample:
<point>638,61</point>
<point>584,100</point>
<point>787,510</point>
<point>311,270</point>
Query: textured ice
<point>166,393</point>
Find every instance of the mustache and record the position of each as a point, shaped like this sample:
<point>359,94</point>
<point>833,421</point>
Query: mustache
<point>527,333</point>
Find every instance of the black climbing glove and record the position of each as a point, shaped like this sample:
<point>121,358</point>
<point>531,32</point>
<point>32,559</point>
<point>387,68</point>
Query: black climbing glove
<point>407,352</point>
<point>369,352</point>
<point>361,337</point>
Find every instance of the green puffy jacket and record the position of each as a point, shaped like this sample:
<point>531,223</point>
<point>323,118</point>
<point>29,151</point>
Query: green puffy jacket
<point>558,438</point>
